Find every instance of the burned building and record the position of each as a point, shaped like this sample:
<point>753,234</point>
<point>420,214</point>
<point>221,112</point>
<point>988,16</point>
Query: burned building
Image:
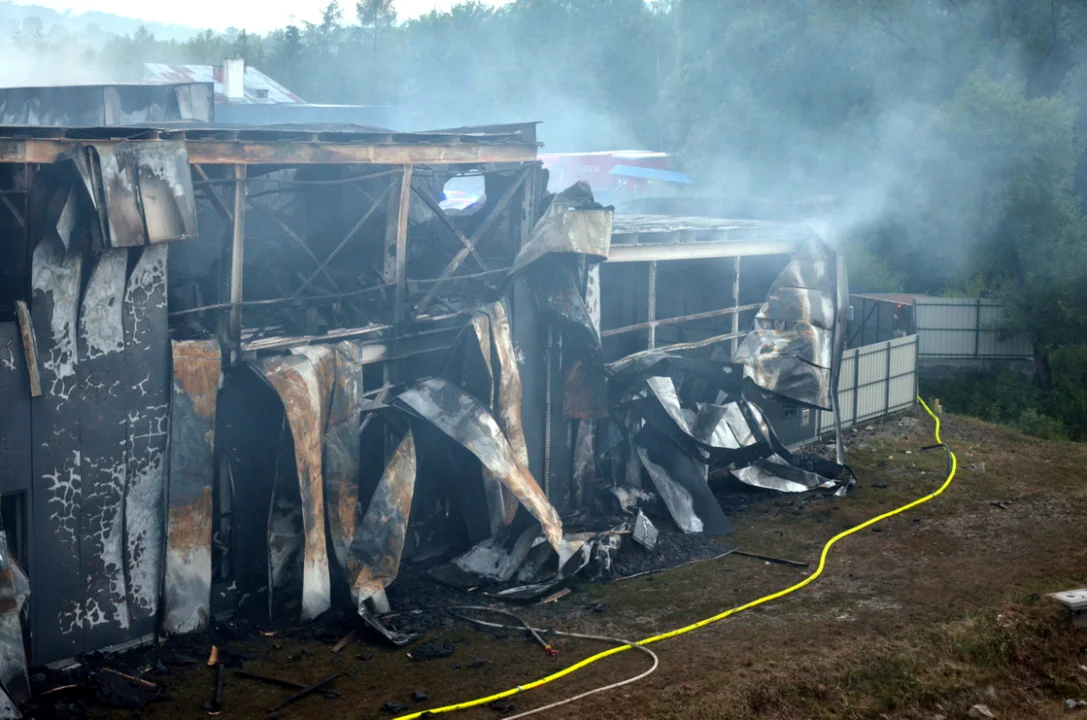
<point>262,368</point>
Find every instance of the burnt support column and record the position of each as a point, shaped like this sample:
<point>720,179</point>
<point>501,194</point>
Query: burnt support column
<point>652,304</point>
<point>735,303</point>
<point>396,255</point>
<point>237,261</point>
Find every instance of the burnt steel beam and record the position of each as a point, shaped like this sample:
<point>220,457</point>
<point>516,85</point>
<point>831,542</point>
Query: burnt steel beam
<point>45,151</point>
<point>14,210</point>
<point>343,243</point>
<point>736,302</point>
<point>734,311</point>
<point>322,266</point>
<point>379,339</point>
<point>699,250</point>
<point>448,224</point>
<point>396,242</point>
<point>478,235</point>
<point>652,309</point>
<point>212,197</point>
<point>306,248</point>
<point>677,347</point>
<point>498,272</point>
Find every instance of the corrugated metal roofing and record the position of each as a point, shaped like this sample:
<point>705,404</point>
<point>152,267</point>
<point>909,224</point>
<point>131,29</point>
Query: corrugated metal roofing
<point>259,88</point>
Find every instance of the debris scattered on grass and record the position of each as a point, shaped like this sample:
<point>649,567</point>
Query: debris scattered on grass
<point>433,650</point>
<point>139,681</point>
<point>770,558</point>
<point>394,708</point>
<point>419,696</point>
<point>289,684</point>
<point>345,641</point>
<point>304,692</point>
<point>555,597</point>
<point>982,712</point>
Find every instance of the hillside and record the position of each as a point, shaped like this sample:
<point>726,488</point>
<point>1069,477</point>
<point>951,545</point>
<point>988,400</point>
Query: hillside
<point>91,23</point>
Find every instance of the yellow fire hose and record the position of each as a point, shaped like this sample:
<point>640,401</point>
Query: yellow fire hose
<point>952,468</point>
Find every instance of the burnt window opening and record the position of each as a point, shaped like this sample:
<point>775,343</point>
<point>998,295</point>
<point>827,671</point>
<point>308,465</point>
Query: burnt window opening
<point>463,194</point>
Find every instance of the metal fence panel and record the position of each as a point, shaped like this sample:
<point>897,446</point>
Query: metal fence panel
<point>874,381</point>
<point>965,328</point>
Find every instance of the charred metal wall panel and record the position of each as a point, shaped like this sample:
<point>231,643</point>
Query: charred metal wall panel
<point>107,105</point>
<point>187,590</point>
<point>147,362</point>
<point>57,466</point>
<point>15,444</point>
<point>304,383</point>
<point>103,433</point>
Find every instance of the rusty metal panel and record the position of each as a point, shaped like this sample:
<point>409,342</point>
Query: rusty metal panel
<point>374,556</point>
<point>103,431</point>
<point>15,443</point>
<point>30,348</point>
<point>147,362</point>
<point>187,571</point>
<point>286,535</point>
<point>508,381</point>
<point>509,390</point>
<point>341,450</point>
<point>468,422</point>
<point>304,382</point>
<point>485,365</point>
<point>583,485</point>
<point>14,591</point>
<point>56,495</point>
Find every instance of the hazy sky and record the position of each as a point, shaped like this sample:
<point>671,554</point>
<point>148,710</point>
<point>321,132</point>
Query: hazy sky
<point>252,15</point>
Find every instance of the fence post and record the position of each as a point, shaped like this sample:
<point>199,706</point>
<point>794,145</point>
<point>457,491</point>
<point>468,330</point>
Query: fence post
<point>916,362</point>
<point>887,381</point>
<point>856,384</point>
<point>977,331</point>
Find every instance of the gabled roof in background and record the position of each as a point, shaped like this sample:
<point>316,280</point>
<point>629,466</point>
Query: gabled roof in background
<point>259,88</point>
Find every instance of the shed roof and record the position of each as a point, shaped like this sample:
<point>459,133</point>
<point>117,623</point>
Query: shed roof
<point>259,88</point>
